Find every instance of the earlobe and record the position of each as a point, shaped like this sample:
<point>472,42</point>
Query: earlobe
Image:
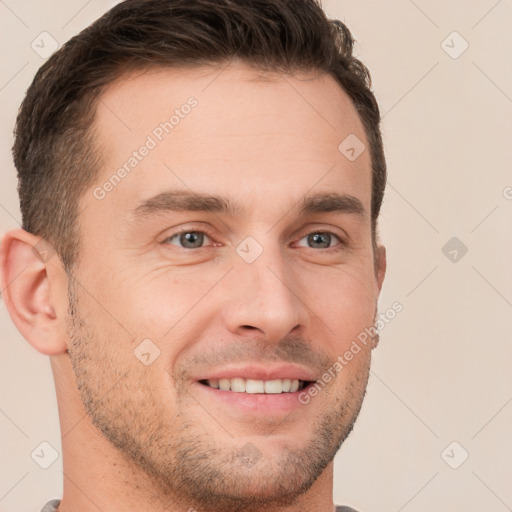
<point>29,289</point>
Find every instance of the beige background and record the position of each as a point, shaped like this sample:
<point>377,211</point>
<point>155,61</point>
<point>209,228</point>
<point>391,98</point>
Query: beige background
<point>442,372</point>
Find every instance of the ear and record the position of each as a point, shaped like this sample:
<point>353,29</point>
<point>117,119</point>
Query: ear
<point>381,266</point>
<point>380,272</point>
<point>34,288</point>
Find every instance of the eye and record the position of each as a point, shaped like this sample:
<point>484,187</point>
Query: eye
<point>321,240</point>
<point>188,239</point>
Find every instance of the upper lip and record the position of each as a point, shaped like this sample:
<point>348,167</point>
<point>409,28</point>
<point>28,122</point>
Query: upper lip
<point>258,372</point>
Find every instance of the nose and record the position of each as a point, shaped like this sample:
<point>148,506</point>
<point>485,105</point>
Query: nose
<point>264,297</point>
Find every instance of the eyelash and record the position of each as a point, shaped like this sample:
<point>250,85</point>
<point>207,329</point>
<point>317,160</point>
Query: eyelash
<point>342,242</point>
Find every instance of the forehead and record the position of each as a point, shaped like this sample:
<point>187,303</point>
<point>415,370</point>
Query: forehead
<point>227,130</point>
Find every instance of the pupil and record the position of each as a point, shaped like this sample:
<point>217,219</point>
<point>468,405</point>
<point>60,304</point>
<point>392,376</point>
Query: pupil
<point>317,239</point>
<point>191,240</point>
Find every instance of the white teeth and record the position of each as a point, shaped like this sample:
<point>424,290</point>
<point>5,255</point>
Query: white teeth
<point>224,384</point>
<point>254,386</point>
<point>274,386</point>
<point>240,385</point>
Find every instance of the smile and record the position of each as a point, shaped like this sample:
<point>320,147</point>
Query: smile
<point>241,385</point>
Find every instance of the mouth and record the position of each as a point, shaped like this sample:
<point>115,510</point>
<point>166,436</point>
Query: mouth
<point>254,386</point>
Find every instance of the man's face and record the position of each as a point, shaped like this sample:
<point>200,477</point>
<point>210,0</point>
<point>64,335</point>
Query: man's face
<point>276,289</point>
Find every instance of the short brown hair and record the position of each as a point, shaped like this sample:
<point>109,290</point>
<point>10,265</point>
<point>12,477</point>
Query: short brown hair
<point>53,149</point>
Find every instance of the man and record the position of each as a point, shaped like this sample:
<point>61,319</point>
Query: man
<point>200,183</point>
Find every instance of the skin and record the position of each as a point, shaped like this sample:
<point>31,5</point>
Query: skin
<point>139,437</point>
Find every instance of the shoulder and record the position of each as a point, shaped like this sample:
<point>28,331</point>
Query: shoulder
<point>51,506</point>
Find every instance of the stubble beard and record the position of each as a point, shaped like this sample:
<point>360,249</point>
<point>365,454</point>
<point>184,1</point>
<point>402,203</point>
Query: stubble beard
<point>177,455</point>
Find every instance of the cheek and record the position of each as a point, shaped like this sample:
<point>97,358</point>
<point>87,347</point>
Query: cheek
<point>344,300</point>
<point>166,302</point>
<point>146,304</point>
<point>164,313</point>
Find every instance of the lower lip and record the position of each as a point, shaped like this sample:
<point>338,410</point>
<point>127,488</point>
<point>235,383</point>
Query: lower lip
<point>272,403</point>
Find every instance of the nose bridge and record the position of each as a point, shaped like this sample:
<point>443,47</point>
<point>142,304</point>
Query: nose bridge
<point>266,294</point>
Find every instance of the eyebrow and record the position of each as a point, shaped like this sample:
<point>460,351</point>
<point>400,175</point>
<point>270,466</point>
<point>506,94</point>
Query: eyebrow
<point>186,201</point>
<point>332,202</point>
<point>190,201</point>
